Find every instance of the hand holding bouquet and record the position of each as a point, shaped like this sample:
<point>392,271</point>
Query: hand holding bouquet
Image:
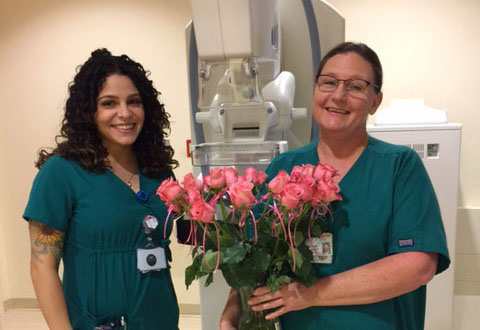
<point>255,233</point>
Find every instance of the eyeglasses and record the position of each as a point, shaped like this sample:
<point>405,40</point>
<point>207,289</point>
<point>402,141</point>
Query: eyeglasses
<point>354,87</point>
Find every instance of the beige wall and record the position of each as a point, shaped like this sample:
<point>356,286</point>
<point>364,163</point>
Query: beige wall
<point>3,274</point>
<point>41,43</point>
<point>429,49</point>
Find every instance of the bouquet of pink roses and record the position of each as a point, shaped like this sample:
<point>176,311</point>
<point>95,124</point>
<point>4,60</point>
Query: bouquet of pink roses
<point>255,233</point>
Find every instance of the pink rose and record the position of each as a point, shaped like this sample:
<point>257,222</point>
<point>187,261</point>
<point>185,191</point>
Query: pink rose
<point>193,195</point>
<point>169,191</point>
<point>241,194</point>
<point>296,173</point>
<point>231,175</point>
<point>261,177</point>
<point>189,181</point>
<point>308,169</point>
<point>326,191</point>
<point>319,195</point>
<point>324,171</point>
<point>277,184</point>
<point>308,185</point>
<point>291,195</point>
<point>202,211</point>
<point>215,179</point>
<point>252,175</point>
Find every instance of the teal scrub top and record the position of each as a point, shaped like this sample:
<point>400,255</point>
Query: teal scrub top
<point>102,221</point>
<point>389,206</point>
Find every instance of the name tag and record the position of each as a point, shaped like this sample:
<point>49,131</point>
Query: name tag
<point>322,248</point>
<point>151,259</point>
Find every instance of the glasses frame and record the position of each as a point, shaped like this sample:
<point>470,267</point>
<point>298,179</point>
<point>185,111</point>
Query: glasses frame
<point>345,82</point>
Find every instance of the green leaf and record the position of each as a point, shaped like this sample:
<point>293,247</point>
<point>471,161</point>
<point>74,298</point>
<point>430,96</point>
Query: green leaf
<point>306,252</point>
<point>272,283</point>
<point>209,279</point>
<point>261,260</point>
<point>278,266</point>
<point>305,271</point>
<point>275,282</point>
<point>299,238</point>
<point>191,272</point>
<point>284,279</point>
<point>317,230</point>
<point>235,253</point>
<point>195,250</point>
<point>298,258</point>
<point>208,262</point>
<point>307,274</point>
<point>238,275</point>
<point>250,270</point>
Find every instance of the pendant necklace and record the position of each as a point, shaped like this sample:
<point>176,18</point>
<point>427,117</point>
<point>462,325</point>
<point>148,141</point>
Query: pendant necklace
<point>129,182</point>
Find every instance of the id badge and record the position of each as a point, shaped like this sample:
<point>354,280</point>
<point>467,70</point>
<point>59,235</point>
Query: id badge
<point>151,259</point>
<point>322,248</point>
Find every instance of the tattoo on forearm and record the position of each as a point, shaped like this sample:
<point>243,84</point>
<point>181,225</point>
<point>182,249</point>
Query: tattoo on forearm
<point>46,240</point>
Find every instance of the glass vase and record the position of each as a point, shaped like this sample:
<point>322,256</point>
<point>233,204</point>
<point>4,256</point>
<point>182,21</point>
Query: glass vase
<point>249,319</point>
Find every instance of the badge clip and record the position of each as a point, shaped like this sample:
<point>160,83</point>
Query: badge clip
<point>151,257</point>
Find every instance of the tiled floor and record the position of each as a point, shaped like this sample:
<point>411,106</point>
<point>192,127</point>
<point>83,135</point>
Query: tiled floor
<point>466,316</point>
<point>32,319</point>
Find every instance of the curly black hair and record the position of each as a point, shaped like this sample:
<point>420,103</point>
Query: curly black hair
<point>79,138</point>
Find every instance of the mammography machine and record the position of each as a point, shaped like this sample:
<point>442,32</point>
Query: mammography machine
<point>251,68</point>
<point>252,65</point>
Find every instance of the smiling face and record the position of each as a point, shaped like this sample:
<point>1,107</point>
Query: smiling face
<point>120,115</point>
<point>338,113</point>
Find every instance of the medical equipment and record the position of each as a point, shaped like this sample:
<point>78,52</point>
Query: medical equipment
<point>426,130</point>
<point>252,66</point>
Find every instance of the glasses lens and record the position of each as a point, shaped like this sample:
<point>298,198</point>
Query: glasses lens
<point>327,83</point>
<point>356,86</point>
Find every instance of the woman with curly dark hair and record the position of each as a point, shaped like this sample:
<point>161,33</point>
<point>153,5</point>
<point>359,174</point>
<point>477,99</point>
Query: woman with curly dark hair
<point>93,205</point>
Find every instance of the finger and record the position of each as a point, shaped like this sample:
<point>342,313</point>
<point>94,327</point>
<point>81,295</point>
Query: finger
<point>261,290</point>
<point>265,297</point>
<point>268,305</point>
<point>276,313</point>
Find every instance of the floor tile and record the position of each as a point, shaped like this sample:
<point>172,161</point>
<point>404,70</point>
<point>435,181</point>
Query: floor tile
<point>32,319</point>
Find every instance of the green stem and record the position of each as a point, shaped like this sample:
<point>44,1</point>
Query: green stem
<point>249,319</point>
<point>224,211</point>
<point>276,246</point>
<point>209,235</point>
<point>267,203</point>
<point>277,241</point>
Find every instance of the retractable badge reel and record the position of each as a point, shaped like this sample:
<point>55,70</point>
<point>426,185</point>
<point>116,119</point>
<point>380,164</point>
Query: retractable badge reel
<point>151,257</point>
<point>119,324</point>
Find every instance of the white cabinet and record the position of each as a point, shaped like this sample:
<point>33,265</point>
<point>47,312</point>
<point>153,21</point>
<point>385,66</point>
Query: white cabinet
<point>439,148</point>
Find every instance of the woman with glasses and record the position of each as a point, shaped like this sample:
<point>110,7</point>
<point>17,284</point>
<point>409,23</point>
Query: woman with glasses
<point>93,205</point>
<point>387,234</point>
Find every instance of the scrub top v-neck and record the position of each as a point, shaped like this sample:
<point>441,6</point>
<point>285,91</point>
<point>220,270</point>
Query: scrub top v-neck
<point>102,220</point>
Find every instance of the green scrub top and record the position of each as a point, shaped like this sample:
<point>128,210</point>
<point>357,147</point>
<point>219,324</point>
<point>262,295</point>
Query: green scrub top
<point>389,206</point>
<point>102,221</point>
